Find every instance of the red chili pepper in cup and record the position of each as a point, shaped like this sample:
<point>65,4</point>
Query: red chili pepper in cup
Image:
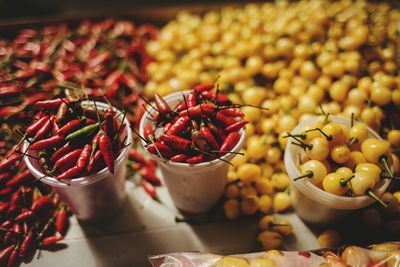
<point>230,141</point>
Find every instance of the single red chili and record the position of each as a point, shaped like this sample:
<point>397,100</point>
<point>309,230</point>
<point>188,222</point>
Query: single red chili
<point>51,104</point>
<point>163,148</point>
<point>191,100</point>
<point>176,142</point>
<point>7,163</point>
<point>5,192</point>
<point>226,121</point>
<point>148,133</point>
<point>14,259</point>
<point>107,151</point>
<point>229,142</point>
<point>70,173</point>
<point>203,87</point>
<point>179,158</point>
<point>84,156</point>
<point>4,177</point>
<point>51,240</point>
<point>199,141</point>
<point>47,143</point>
<point>180,107</point>
<point>69,159</point>
<point>69,127</point>
<point>206,133</point>
<point>62,113</point>
<point>231,112</point>
<point>5,254</point>
<point>236,126</point>
<point>62,221</point>
<point>26,215</point>
<point>136,156</point>
<point>205,109</point>
<point>149,189</point>
<point>44,203</point>
<point>167,126</point>
<point>68,147</point>
<point>20,178</point>
<point>94,162</point>
<point>109,124</point>
<point>44,130</point>
<point>149,175</point>
<point>196,159</point>
<point>36,126</point>
<point>180,125</point>
<point>27,244</point>
<point>4,207</point>
<point>162,105</point>
<point>218,98</point>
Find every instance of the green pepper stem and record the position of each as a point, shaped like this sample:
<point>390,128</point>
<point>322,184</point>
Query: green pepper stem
<point>372,194</point>
<point>383,160</point>
<point>308,174</point>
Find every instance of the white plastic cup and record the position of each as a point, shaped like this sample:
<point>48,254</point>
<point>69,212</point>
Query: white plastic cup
<point>95,197</point>
<point>313,204</point>
<point>193,188</point>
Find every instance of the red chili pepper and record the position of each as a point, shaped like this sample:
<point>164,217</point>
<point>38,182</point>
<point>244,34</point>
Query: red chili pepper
<point>218,98</point>
<point>42,204</point>
<point>70,173</point>
<point>176,142</point>
<point>196,159</point>
<point>47,143</point>
<point>4,207</point>
<point>136,156</point>
<point>35,127</point>
<point>69,127</point>
<point>180,107</point>
<point>51,104</point>
<point>13,234</point>
<point>149,175</point>
<point>181,124</point>
<point>44,130</point>
<point>14,259</point>
<point>109,125</point>
<point>236,126</point>
<point>5,254</point>
<point>206,133</point>
<point>7,163</point>
<point>167,126</point>
<point>62,112</point>
<point>191,100</point>
<point>162,105</point>
<point>20,178</point>
<point>203,87</point>
<point>226,121</point>
<point>7,224</point>
<point>229,142</point>
<point>94,162</point>
<point>5,192</point>
<point>231,112</point>
<point>107,151</point>
<point>61,152</point>
<point>199,141</point>
<point>149,189</point>
<point>62,222</point>
<point>164,149</point>
<point>69,159</point>
<point>27,245</point>
<point>4,177</point>
<point>179,158</point>
<point>51,240</point>
<point>84,157</point>
<point>26,215</point>
<point>205,109</point>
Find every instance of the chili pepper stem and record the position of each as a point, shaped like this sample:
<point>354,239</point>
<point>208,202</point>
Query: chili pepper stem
<point>26,154</point>
<point>372,194</point>
<point>147,101</point>
<point>344,181</point>
<point>328,137</point>
<point>141,137</point>
<point>384,161</point>
<point>120,126</point>
<point>308,174</point>
<point>211,155</point>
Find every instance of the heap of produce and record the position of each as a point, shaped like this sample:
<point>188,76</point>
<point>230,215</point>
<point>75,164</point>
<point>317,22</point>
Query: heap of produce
<point>292,58</point>
<point>203,126</point>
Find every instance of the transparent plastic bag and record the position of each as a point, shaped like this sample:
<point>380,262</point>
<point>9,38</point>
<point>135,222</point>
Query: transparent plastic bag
<point>382,255</point>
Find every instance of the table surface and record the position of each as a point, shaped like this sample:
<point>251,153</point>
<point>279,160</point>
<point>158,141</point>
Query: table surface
<point>146,227</point>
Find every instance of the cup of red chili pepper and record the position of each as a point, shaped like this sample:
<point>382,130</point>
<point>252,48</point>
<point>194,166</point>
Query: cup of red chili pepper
<point>97,194</point>
<point>193,159</point>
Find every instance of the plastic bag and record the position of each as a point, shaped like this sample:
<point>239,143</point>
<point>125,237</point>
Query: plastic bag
<point>382,255</point>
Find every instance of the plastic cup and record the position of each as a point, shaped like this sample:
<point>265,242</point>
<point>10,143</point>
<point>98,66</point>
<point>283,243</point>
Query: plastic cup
<point>313,204</point>
<point>95,197</point>
<point>193,188</point>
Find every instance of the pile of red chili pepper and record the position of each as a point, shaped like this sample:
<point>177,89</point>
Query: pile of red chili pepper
<point>31,215</point>
<point>204,126</point>
<point>102,58</point>
<point>73,140</point>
